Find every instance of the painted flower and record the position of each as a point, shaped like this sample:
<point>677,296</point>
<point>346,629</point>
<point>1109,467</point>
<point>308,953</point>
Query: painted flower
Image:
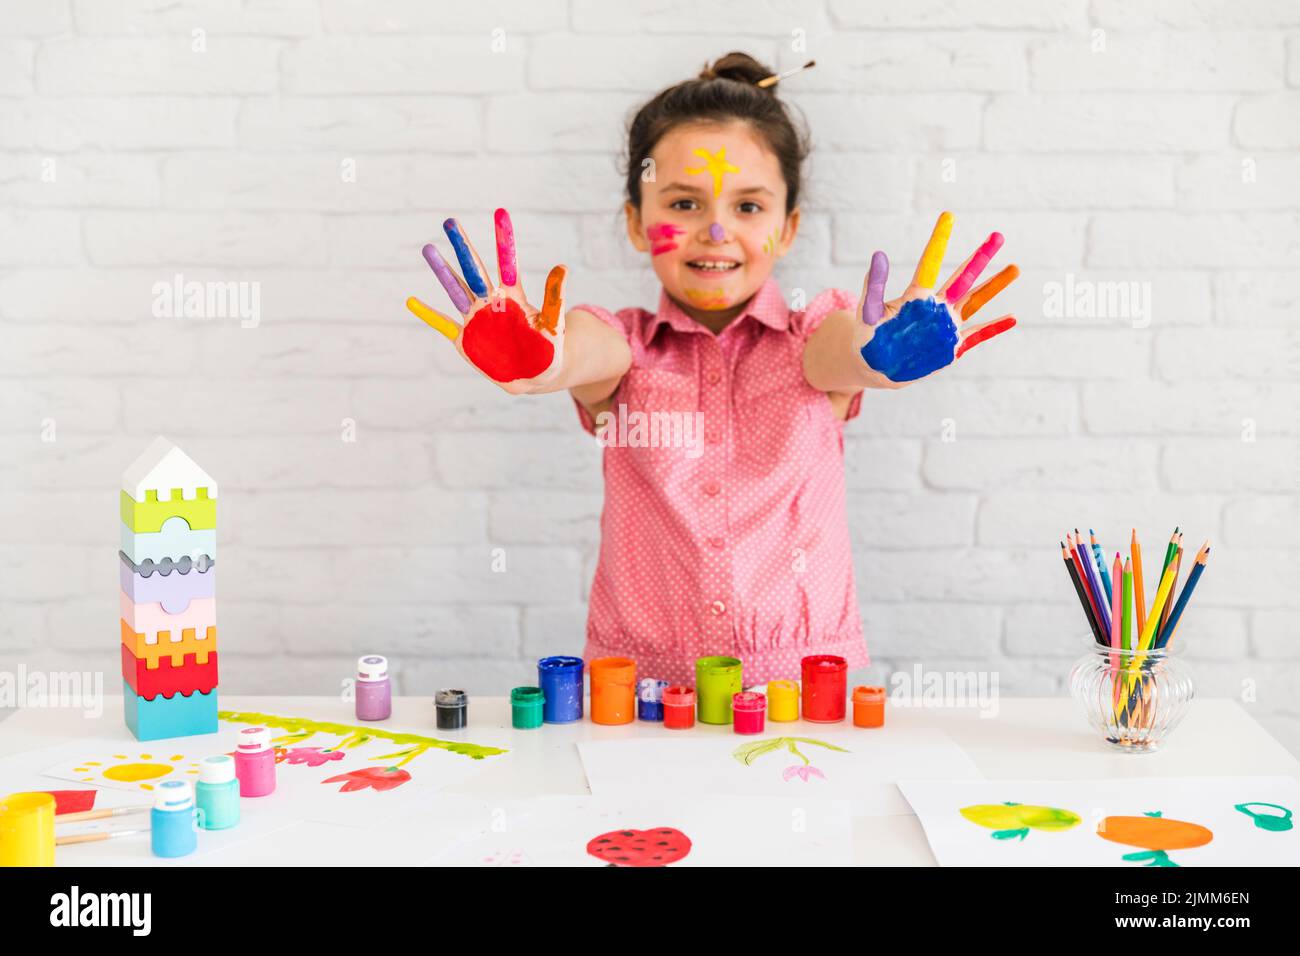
<point>803,772</point>
<point>313,756</point>
<point>376,778</point>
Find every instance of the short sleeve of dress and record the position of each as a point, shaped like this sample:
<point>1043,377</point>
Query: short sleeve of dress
<point>622,322</point>
<point>807,322</point>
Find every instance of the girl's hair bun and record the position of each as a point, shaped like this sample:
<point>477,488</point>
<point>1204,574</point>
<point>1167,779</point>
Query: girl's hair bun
<point>737,66</point>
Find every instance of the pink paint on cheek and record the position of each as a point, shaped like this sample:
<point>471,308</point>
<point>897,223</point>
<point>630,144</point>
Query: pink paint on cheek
<point>663,237</point>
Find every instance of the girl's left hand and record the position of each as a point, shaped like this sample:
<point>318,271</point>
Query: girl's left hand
<point>917,334</point>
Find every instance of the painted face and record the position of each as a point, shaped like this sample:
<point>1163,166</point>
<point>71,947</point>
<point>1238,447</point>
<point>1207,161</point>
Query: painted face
<point>714,216</point>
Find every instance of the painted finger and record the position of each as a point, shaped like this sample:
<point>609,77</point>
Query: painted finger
<point>982,333</point>
<point>450,281</point>
<point>506,263</point>
<point>873,293</point>
<point>552,314</point>
<point>471,266</point>
<point>434,318</point>
<point>981,295</point>
<point>927,270</point>
<point>964,279</point>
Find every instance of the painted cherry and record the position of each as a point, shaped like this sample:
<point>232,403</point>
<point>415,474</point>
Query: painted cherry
<point>501,342</point>
<point>659,846</point>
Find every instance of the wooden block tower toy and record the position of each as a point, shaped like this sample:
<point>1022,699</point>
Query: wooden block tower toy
<point>169,613</point>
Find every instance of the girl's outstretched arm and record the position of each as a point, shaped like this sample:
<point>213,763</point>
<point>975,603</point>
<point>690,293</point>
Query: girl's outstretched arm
<point>522,349</point>
<point>892,344</point>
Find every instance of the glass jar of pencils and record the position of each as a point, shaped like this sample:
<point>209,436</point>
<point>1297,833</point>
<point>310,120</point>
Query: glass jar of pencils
<point>1134,699</point>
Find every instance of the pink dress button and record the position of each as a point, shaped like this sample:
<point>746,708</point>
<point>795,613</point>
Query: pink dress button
<point>713,378</point>
<point>712,488</point>
<point>717,607</point>
<point>718,543</point>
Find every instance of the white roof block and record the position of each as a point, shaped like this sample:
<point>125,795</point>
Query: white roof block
<point>163,467</point>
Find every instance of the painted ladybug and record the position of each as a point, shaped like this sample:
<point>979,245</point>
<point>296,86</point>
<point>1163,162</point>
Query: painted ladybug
<point>658,846</point>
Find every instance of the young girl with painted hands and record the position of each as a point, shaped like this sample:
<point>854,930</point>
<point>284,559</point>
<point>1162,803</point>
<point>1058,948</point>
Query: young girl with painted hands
<point>736,543</point>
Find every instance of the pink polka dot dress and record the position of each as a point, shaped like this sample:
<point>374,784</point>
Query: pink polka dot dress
<point>723,532</point>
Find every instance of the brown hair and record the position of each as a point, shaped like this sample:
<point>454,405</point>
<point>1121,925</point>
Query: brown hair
<point>723,92</point>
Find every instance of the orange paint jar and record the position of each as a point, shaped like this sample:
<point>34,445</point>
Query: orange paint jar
<point>869,706</point>
<point>613,690</point>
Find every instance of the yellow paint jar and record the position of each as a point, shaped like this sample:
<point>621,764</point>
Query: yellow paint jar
<point>782,700</point>
<point>27,829</point>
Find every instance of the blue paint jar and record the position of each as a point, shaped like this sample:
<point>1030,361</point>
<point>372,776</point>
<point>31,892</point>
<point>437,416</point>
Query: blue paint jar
<point>650,698</point>
<point>560,679</point>
<point>171,820</point>
<point>217,793</point>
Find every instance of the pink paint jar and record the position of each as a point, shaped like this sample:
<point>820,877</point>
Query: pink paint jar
<point>679,707</point>
<point>373,688</point>
<point>748,711</point>
<point>255,762</point>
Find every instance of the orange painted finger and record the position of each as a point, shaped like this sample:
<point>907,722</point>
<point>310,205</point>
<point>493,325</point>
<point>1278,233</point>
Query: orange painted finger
<point>980,297</point>
<point>548,320</point>
<point>434,318</point>
<point>982,333</point>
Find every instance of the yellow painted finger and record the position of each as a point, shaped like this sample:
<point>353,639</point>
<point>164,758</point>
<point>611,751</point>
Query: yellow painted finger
<point>927,270</point>
<point>438,321</point>
<point>980,297</point>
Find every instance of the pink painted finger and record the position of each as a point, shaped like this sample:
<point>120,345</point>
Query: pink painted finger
<point>455,291</point>
<point>873,297</point>
<point>966,278</point>
<point>506,264</point>
<point>983,333</point>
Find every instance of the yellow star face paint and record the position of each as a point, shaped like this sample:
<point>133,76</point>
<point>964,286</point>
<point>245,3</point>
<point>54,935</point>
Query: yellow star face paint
<point>715,164</point>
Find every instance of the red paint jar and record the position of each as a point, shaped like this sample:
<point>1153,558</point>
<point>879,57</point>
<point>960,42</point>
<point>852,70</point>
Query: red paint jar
<point>825,688</point>
<point>868,707</point>
<point>679,707</point>
<point>748,711</point>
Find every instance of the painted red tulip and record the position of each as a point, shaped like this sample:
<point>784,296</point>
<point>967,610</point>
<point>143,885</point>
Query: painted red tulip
<point>655,847</point>
<point>375,778</point>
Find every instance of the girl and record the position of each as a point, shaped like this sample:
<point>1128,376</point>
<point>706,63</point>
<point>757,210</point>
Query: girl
<point>738,543</point>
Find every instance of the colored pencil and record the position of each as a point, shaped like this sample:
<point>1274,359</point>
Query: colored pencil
<point>1170,550</point>
<point>1091,577</point>
<point>1087,592</point>
<point>1101,563</point>
<point>1126,628</point>
<point>1116,603</point>
<point>1198,566</point>
<point>1139,594</point>
<point>1177,565</point>
<point>1083,597</point>
<point>1162,594</point>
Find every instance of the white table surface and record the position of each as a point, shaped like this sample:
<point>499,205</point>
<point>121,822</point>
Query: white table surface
<point>1030,738</point>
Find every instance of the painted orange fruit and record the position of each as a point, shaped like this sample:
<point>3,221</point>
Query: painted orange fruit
<point>1155,834</point>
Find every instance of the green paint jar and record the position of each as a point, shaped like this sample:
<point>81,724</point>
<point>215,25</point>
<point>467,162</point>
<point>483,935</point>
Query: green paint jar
<point>526,707</point>
<point>717,680</point>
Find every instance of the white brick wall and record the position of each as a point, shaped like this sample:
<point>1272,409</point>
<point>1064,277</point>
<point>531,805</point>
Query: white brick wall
<point>1155,143</point>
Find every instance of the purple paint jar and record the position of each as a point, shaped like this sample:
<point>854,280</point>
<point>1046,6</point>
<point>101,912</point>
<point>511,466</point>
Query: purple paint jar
<point>374,689</point>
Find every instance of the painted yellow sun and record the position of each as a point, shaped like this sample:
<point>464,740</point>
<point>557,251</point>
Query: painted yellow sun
<point>140,769</point>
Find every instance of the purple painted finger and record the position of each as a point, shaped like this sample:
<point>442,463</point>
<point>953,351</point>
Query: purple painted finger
<point>873,302</point>
<point>961,285</point>
<point>455,291</point>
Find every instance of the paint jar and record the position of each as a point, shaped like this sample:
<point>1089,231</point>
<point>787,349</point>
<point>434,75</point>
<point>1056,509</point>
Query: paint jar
<point>255,762</point>
<point>650,698</point>
<point>869,707</point>
<point>717,680</point>
<point>171,821</point>
<point>27,829</point>
<point>452,707</point>
<point>613,690</point>
<point>825,688</point>
<point>526,704</point>
<point>679,707</point>
<point>782,700</point>
<point>747,712</point>
<point>217,793</point>
<point>374,689</point>
<point>560,679</point>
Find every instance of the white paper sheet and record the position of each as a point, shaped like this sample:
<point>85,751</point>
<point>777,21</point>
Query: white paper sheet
<point>1056,822</point>
<point>701,831</point>
<point>860,766</point>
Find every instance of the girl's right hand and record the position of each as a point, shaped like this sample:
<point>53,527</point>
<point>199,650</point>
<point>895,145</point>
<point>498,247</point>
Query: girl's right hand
<point>515,345</point>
